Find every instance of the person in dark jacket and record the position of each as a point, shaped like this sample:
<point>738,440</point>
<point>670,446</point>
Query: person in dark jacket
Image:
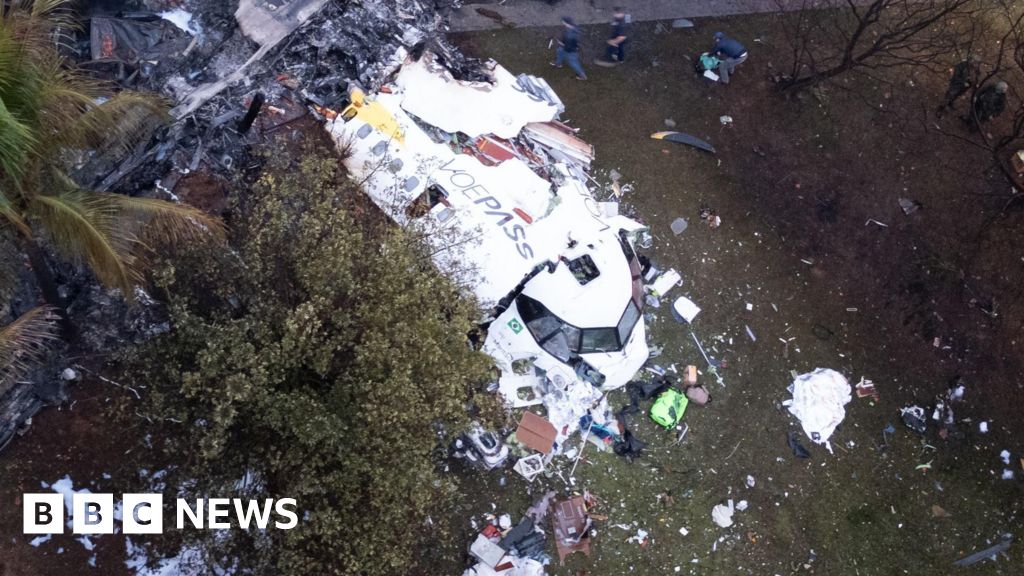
<point>730,54</point>
<point>615,49</point>
<point>569,48</point>
<point>988,104</point>
<point>964,77</point>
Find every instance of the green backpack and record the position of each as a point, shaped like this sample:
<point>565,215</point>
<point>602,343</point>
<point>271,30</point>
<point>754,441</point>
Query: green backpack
<point>668,409</point>
<point>708,62</point>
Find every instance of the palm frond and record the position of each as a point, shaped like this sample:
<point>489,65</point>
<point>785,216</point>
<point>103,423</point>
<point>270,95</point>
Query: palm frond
<point>117,125</point>
<point>16,140</point>
<point>8,211</point>
<point>169,223</point>
<point>23,343</point>
<point>107,230</point>
<point>87,226</point>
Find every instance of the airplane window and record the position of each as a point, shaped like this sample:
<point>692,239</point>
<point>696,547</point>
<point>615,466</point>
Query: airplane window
<point>426,201</point>
<point>558,346</point>
<point>599,340</point>
<point>628,321</point>
<point>544,327</point>
<point>572,336</point>
<point>634,270</point>
<point>563,340</point>
<point>583,269</point>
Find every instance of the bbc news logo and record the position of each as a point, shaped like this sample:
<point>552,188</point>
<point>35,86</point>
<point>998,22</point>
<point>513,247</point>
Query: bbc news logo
<point>143,513</point>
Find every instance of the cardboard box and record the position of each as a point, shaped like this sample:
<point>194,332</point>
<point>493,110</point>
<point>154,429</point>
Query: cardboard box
<point>536,433</point>
<point>690,375</point>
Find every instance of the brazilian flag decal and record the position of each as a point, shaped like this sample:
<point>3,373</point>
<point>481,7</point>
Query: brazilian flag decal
<point>515,325</point>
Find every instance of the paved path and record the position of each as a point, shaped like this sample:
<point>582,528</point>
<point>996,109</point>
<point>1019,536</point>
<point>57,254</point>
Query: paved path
<point>526,13</point>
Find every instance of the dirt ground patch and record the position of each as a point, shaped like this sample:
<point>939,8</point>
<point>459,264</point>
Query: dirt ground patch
<point>794,182</point>
<point>797,182</point>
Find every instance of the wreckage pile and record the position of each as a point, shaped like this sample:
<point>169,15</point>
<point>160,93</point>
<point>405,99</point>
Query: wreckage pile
<point>227,66</point>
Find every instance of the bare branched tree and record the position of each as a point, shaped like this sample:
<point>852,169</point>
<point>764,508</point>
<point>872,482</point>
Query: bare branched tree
<point>829,38</point>
<point>1002,139</point>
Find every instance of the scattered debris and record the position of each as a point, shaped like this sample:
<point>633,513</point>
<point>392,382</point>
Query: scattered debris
<point>679,226</point>
<point>913,417</point>
<point>939,512</point>
<point>640,537</point>
<point>794,444</point>
<point>685,310</point>
<point>539,511</point>
<point>710,217</point>
<point>725,120</point>
<point>670,123</point>
<point>987,553</point>
<point>536,432</point>
<point>909,206</point>
<point>682,23</point>
<point>480,447</point>
<point>486,551</point>
<point>866,389</point>
<point>818,402</point>
<point>722,514</point>
<point>529,467</point>
<point>681,138</point>
<point>664,283</point>
<point>668,409</point>
<point>571,525</point>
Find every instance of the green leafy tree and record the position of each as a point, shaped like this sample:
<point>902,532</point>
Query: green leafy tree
<point>48,113</point>
<point>321,359</point>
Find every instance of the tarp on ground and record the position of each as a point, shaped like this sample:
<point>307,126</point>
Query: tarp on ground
<point>819,399</point>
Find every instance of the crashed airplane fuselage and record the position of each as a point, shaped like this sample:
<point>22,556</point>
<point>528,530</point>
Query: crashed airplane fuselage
<point>509,218</point>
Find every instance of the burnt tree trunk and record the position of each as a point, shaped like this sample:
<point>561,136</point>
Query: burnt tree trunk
<point>48,285</point>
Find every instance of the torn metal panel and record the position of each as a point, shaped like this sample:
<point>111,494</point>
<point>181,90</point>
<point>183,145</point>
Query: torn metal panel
<point>267,22</point>
<point>557,136</point>
<point>520,391</point>
<point>539,88</point>
<point>433,95</point>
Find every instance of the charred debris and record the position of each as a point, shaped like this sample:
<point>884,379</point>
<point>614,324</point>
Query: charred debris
<point>216,61</point>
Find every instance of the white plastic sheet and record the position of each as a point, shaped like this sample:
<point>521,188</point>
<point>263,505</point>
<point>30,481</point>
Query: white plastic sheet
<point>818,402</point>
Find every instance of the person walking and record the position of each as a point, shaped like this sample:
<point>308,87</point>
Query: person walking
<point>964,77</point>
<point>569,48</point>
<point>615,48</point>
<point>988,104</point>
<point>730,54</point>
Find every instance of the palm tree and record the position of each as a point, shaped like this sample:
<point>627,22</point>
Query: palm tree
<point>49,112</point>
<point>23,343</point>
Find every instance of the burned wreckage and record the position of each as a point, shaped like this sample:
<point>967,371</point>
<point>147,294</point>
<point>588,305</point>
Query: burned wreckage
<point>498,186</point>
<point>214,60</point>
<point>462,151</point>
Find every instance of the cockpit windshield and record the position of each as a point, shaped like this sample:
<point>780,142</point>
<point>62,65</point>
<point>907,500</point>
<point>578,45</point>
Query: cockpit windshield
<point>564,341</point>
